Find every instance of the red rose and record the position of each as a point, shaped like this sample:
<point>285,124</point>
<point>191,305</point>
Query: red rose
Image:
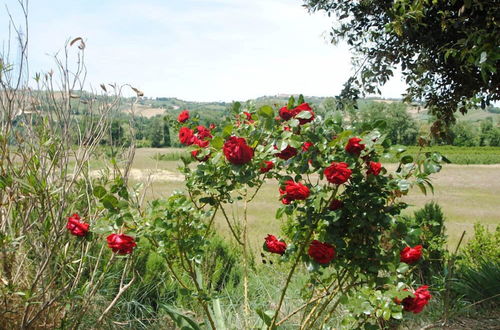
<point>121,243</point>
<point>77,227</point>
<point>237,151</point>
<point>420,298</point>
<point>183,116</point>
<point>195,152</point>
<point>287,153</point>
<point>203,133</point>
<point>304,107</point>
<point>211,127</point>
<point>411,255</point>
<point>336,204</point>
<point>374,168</point>
<point>338,173</point>
<point>249,117</point>
<point>273,245</point>
<point>286,113</point>
<point>322,253</point>
<point>186,136</point>
<point>306,146</point>
<point>268,166</point>
<point>201,143</point>
<point>294,191</point>
<point>354,147</point>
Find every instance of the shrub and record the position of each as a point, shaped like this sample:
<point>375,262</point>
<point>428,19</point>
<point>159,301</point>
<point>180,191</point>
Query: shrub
<point>430,221</point>
<point>478,268</point>
<point>484,245</point>
<point>478,283</point>
<point>351,251</point>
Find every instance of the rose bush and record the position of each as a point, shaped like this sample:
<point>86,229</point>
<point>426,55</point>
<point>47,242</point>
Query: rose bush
<point>340,210</point>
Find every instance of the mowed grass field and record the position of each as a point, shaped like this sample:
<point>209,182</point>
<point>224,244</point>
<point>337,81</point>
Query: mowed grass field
<point>467,194</point>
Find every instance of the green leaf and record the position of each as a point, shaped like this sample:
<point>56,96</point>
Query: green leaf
<point>266,111</point>
<point>99,191</point>
<point>304,115</point>
<point>397,315</point>
<point>218,317</point>
<point>227,131</point>
<point>110,202</point>
<point>431,167</point>
<point>181,320</point>
<point>266,316</point>
<point>236,107</point>
<point>404,185</point>
<point>217,142</point>
<point>380,124</point>
<point>403,268</point>
<point>291,102</point>
<point>301,99</point>
<point>406,159</point>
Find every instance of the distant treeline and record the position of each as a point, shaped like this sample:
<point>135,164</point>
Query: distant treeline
<point>403,124</point>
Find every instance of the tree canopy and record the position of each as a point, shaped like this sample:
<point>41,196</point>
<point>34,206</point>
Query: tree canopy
<point>448,50</point>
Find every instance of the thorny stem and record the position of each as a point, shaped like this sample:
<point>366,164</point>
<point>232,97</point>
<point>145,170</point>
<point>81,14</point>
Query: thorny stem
<point>289,277</point>
<point>246,305</point>
<point>229,224</point>
<point>296,262</point>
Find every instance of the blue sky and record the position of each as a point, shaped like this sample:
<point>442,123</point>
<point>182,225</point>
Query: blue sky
<point>202,50</point>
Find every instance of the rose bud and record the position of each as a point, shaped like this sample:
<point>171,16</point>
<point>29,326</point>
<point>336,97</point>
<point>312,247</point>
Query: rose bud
<point>294,191</point>
<point>183,116</point>
<point>374,168</point>
<point>411,255</point>
<point>268,165</point>
<point>338,173</point>
<point>273,245</point>
<point>121,243</point>
<point>304,107</point>
<point>76,226</point>
<point>320,252</point>
<point>420,298</point>
<point>186,136</point>
<point>287,153</point>
<point>286,113</point>
<point>237,151</point>
<point>306,146</point>
<point>336,204</point>
<point>354,147</point>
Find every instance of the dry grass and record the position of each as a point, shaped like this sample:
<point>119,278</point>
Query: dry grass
<point>467,194</point>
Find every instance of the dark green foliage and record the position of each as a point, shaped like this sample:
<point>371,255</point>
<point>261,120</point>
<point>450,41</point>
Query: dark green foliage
<point>400,127</point>
<point>428,224</point>
<point>223,266</point>
<point>490,135</point>
<point>166,134</point>
<point>116,133</point>
<point>464,134</point>
<point>448,50</point>
<point>156,134</point>
<point>479,283</point>
<point>477,271</point>
<point>484,245</point>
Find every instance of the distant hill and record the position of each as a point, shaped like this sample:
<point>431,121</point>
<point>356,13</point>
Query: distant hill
<point>150,107</point>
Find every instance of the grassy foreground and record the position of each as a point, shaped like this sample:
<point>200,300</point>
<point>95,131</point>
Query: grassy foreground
<point>467,194</point>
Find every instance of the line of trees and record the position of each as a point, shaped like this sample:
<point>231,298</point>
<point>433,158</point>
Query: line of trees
<point>400,126</point>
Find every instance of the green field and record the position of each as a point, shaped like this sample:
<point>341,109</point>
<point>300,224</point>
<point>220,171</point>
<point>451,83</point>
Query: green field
<point>467,194</point>
<point>458,155</point>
